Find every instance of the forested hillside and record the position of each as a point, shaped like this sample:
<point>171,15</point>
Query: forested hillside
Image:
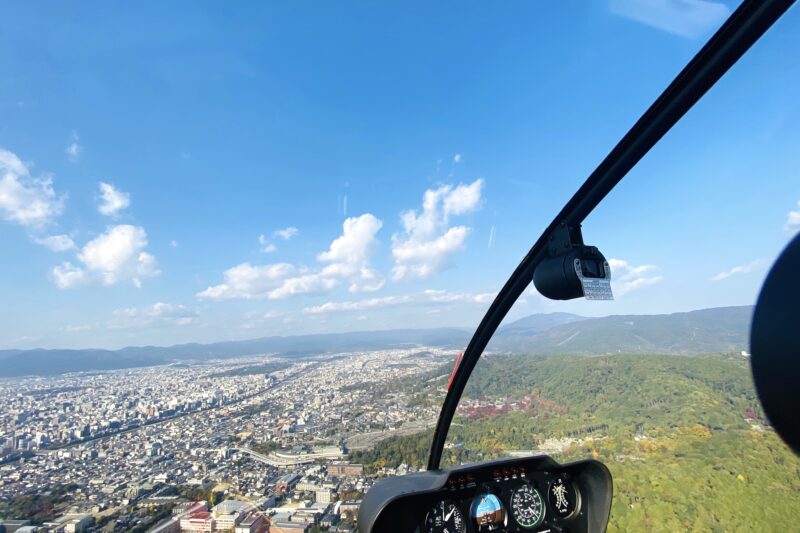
<point>684,437</point>
<point>721,329</point>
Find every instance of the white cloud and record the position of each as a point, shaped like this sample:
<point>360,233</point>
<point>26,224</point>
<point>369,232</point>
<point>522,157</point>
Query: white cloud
<point>286,233</point>
<point>457,158</point>
<point>426,298</point>
<point>347,260</point>
<point>113,200</point>
<point>371,303</point>
<point>688,18</point>
<point>348,255</point>
<point>462,199</point>
<point>626,278</point>
<point>25,200</point>
<point>158,315</point>
<point>266,246</point>
<point>74,148</point>
<point>246,281</point>
<point>421,259</point>
<point>170,311</point>
<point>440,296</point>
<point>56,243</point>
<point>793,221</point>
<point>66,275</point>
<point>174,244</point>
<point>117,255</point>
<point>306,284</point>
<point>271,282</point>
<point>491,238</point>
<point>743,269</point>
<point>428,241</point>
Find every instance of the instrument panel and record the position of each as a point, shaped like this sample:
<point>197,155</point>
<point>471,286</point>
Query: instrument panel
<point>513,500</point>
<point>533,494</point>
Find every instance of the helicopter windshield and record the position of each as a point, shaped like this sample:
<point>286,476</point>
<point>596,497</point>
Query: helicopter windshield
<point>664,399</point>
<point>242,246</point>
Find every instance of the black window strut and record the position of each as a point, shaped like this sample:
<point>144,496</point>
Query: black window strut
<point>742,29</point>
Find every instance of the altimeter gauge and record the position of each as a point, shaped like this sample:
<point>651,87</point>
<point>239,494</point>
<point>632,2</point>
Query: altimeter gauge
<point>445,517</point>
<point>527,506</point>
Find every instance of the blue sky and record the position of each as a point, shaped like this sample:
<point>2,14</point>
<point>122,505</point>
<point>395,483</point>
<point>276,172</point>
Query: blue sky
<point>203,171</point>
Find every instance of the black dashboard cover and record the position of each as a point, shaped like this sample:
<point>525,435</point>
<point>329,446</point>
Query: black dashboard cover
<point>399,504</point>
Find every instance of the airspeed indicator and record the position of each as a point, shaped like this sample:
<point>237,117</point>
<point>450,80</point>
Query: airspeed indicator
<point>527,507</point>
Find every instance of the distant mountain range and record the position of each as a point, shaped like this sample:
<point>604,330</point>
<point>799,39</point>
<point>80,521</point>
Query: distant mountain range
<point>533,325</point>
<point>50,362</point>
<point>722,329</point>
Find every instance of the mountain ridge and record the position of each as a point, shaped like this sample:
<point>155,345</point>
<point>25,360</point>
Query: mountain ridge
<point>721,329</point>
<point>40,361</point>
<point>717,329</point>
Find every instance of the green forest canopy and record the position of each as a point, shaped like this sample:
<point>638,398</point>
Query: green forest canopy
<point>684,437</point>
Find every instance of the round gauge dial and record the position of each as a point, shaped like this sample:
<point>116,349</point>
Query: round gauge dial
<point>527,507</point>
<point>562,497</point>
<point>445,517</point>
<point>487,512</point>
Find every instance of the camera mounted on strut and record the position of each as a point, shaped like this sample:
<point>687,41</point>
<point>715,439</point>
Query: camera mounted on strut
<point>572,269</point>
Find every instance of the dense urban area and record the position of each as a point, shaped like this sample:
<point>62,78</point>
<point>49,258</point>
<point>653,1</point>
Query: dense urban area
<point>250,444</point>
<point>288,443</point>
